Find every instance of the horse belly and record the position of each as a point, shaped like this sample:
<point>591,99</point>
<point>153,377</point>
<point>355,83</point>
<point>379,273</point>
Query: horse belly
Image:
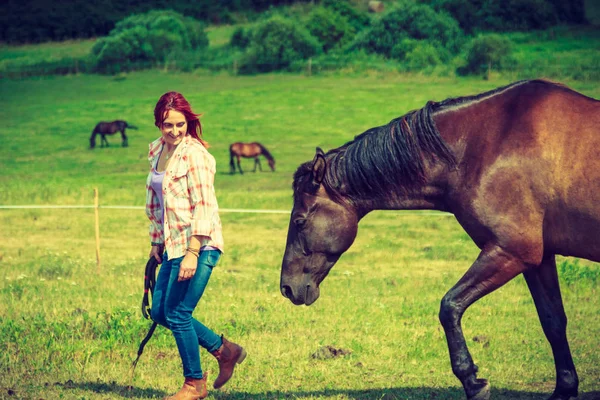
<point>573,231</point>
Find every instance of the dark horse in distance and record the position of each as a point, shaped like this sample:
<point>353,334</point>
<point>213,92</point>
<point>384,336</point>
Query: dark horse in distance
<point>110,128</point>
<point>519,167</point>
<point>249,150</point>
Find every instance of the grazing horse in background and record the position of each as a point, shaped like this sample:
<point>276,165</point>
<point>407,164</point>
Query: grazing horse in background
<point>110,128</point>
<point>249,150</point>
<point>519,167</point>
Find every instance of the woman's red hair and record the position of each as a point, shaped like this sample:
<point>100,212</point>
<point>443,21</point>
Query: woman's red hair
<point>176,101</point>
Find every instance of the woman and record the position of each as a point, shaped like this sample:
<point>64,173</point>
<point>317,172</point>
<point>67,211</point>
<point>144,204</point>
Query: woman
<point>185,233</point>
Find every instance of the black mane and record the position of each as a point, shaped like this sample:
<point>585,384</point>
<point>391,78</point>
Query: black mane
<point>265,152</point>
<point>384,158</point>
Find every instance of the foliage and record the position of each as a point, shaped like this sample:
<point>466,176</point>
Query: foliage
<point>240,38</point>
<point>329,27</point>
<point>423,55</point>
<point>413,21</point>
<point>356,18</point>
<point>486,52</point>
<point>515,15</point>
<point>275,44</point>
<point>149,39</point>
<point>511,15</point>
<point>41,21</point>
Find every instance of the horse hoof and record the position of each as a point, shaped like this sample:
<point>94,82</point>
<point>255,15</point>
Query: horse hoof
<point>484,392</point>
<point>558,396</point>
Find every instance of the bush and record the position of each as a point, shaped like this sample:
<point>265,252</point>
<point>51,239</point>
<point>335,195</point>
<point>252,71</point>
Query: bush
<point>330,28</point>
<point>357,19</point>
<point>413,21</point>
<point>275,44</point>
<point>486,52</point>
<point>240,38</point>
<point>423,56</point>
<point>145,40</point>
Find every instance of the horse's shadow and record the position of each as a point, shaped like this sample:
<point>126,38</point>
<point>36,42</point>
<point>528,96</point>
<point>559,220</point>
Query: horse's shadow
<point>130,392</point>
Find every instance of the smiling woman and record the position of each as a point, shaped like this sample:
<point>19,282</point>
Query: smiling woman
<point>186,236</point>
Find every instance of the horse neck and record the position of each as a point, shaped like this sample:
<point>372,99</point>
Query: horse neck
<point>265,152</point>
<point>429,195</point>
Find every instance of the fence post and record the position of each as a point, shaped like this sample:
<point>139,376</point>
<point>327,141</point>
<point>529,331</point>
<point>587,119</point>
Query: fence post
<point>97,230</point>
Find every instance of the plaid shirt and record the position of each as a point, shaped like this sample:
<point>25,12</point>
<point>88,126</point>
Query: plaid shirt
<point>189,198</point>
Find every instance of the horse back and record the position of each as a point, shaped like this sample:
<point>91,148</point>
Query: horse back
<point>529,170</point>
<point>246,150</point>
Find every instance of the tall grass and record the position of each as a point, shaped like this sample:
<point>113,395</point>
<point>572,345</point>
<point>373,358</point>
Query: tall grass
<point>70,331</point>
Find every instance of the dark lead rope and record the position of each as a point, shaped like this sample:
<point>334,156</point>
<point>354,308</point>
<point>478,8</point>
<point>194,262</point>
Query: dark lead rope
<point>149,283</point>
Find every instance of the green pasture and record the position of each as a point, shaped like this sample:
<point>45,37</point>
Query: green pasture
<point>69,330</point>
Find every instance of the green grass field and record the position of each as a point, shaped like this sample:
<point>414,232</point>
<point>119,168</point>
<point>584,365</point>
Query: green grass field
<point>70,331</point>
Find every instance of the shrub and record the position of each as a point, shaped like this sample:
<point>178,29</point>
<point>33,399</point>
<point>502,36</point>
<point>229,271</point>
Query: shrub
<point>275,44</point>
<point>357,19</point>
<point>410,20</point>
<point>144,40</point>
<point>330,28</point>
<point>240,38</point>
<point>486,52</point>
<point>423,56</point>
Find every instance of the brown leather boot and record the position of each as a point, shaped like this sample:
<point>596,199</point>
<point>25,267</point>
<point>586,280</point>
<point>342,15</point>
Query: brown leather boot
<point>193,389</point>
<point>227,355</point>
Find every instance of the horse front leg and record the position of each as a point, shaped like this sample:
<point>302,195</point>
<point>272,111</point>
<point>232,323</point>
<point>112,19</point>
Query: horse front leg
<point>492,269</point>
<point>257,162</point>
<point>124,142</point>
<point>103,141</point>
<point>545,290</point>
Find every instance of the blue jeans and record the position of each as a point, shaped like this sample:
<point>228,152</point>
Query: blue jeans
<point>172,306</point>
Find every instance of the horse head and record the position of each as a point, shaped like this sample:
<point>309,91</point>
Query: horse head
<point>272,164</point>
<point>320,230</point>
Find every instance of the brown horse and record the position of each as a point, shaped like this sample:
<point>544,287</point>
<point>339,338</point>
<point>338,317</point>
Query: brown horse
<point>249,150</point>
<point>110,128</point>
<point>518,166</point>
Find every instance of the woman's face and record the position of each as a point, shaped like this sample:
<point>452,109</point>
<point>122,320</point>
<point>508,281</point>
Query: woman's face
<point>174,127</point>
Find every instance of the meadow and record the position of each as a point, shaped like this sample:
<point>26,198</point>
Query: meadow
<point>71,331</point>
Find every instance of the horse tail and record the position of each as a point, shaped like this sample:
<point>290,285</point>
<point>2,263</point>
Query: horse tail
<point>130,126</point>
<point>265,152</point>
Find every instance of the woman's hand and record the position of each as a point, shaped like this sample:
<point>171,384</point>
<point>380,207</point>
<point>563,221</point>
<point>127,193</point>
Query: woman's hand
<point>157,252</point>
<point>188,266</point>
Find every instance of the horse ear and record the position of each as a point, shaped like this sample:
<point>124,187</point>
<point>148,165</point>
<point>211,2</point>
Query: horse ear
<point>318,169</point>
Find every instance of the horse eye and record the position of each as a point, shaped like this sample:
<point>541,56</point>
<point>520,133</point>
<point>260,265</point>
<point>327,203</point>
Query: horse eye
<point>299,222</point>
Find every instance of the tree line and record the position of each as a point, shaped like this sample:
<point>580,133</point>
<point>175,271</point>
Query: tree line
<point>33,21</point>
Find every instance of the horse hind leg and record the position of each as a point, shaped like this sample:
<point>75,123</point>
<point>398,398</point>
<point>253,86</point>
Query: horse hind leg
<point>239,165</point>
<point>493,268</point>
<point>545,290</point>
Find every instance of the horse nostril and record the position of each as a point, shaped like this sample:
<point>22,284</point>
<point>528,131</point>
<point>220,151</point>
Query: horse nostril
<point>286,291</point>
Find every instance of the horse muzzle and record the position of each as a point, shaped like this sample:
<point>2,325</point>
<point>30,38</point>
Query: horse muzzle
<point>300,291</point>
